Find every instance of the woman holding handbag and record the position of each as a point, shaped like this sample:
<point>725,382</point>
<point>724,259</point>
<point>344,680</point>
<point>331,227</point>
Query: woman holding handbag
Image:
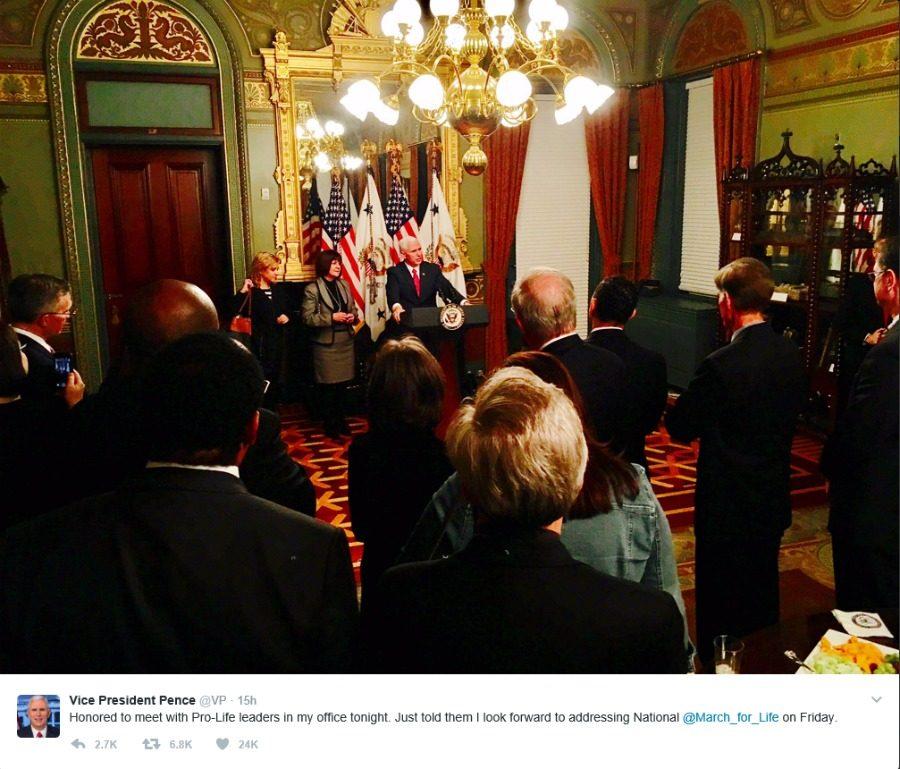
<point>262,302</point>
<point>329,310</point>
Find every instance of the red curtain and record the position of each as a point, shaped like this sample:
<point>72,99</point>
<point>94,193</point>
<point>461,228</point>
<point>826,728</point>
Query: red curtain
<point>606,134</point>
<point>651,119</point>
<point>735,115</point>
<point>505,149</point>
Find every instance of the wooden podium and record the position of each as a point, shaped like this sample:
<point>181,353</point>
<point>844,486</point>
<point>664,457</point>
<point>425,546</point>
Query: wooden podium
<point>426,323</point>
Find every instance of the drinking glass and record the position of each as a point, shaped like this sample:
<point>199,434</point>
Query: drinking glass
<point>727,651</point>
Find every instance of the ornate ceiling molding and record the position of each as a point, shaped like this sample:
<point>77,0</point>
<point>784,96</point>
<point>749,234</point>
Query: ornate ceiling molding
<point>591,24</point>
<point>145,31</point>
<point>18,20</point>
<point>714,32</point>
<point>302,22</point>
<point>791,16</point>
<point>626,23</point>
<point>841,9</point>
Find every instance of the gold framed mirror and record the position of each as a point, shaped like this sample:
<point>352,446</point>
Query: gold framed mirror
<point>303,84</point>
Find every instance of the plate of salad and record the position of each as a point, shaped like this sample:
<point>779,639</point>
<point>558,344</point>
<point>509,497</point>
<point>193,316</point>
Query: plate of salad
<point>839,653</point>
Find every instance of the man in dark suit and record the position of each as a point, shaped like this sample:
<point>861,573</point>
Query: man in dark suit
<point>181,570</point>
<point>544,305</point>
<point>861,462</point>
<point>108,444</point>
<point>742,404</point>
<point>39,306</point>
<point>613,304</point>
<point>415,283</point>
<point>514,600</point>
<point>38,715</point>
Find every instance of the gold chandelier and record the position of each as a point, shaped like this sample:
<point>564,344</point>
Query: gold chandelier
<point>321,148</point>
<point>472,69</point>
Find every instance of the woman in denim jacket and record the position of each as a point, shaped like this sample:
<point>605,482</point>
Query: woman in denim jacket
<point>616,526</point>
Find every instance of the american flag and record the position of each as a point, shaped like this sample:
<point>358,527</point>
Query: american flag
<point>398,218</point>
<point>338,234</point>
<point>312,225</point>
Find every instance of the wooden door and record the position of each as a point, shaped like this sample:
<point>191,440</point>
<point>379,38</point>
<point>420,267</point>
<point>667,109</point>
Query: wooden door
<point>159,215</point>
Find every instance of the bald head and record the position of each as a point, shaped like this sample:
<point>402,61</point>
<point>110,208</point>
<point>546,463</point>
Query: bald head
<point>544,304</point>
<point>161,312</point>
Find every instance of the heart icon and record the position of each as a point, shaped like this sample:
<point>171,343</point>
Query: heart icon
<point>222,742</point>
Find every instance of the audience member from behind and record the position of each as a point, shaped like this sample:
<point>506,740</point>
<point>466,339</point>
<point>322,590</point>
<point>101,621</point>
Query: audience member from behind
<point>613,304</point>
<point>330,311</point>
<point>181,570</point>
<point>39,306</point>
<point>262,299</point>
<point>544,305</point>
<point>862,463</point>
<point>396,467</point>
<point>110,443</point>
<point>34,462</point>
<point>514,600</point>
<point>615,525</point>
<point>742,404</point>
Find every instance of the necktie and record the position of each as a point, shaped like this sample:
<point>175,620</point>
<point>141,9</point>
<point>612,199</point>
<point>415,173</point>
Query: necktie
<point>39,734</point>
<point>417,283</point>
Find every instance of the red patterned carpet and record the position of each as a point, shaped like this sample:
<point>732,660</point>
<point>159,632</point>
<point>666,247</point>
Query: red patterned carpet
<point>673,471</point>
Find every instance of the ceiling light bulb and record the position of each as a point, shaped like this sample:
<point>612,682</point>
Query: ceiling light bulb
<point>333,128</point>
<point>533,33</point>
<point>541,10</point>
<point>566,113</point>
<point>350,162</point>
<point>323,163</point>
<point>415,35</point>
<point>499,7</point>
<point>407,12</point>
<point>444,7</point>
<point>315,128</point>
<point>513,88</point>
<point>389,26</point>
<point>300,131</point>
<point>598,97</point>
<point>579,91</point>
<point>503,37</point>
<point>387,115</point>
<point>427,92</point>
<point>456,36</point>
<point>560,19</point>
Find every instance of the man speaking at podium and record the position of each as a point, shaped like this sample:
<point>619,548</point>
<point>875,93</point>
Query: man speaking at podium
<point>414,283</point>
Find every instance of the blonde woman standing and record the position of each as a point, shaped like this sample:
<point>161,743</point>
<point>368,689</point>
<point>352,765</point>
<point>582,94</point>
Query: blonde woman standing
<point>261,298</point>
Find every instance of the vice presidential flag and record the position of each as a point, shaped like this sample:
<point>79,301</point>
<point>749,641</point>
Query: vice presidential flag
<point>438,238</point>
<point>373,245</point>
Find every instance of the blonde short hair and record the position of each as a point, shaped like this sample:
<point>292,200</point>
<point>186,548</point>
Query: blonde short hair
<point>519,449</point>
<point>262,261</point>
<point>544,303</point>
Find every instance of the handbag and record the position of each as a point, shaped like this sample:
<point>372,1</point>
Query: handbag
<point>243,324</point>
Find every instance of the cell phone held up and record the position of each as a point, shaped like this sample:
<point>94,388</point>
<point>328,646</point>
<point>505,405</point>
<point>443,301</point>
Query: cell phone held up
<point>62,366</point>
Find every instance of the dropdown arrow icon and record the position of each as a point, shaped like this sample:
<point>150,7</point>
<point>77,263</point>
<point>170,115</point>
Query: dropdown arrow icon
<point>876,699</point>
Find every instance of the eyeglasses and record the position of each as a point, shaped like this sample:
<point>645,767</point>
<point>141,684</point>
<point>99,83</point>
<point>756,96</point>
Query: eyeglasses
<point>873,276</point>
<point>68,314</point>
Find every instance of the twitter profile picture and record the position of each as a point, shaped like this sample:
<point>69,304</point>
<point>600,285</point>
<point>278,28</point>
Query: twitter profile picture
<point>37,716</point>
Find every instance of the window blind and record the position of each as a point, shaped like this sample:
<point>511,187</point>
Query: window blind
<point>552,226</point>
<point>700,231</point>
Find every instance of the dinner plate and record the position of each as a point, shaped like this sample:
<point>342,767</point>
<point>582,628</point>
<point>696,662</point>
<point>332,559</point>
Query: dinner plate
<point>836,638</point>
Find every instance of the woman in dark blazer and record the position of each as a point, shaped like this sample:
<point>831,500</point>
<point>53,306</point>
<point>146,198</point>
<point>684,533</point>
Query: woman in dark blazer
<point>261,298</point>
<point>329,310</point>
<point>398,465</point>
